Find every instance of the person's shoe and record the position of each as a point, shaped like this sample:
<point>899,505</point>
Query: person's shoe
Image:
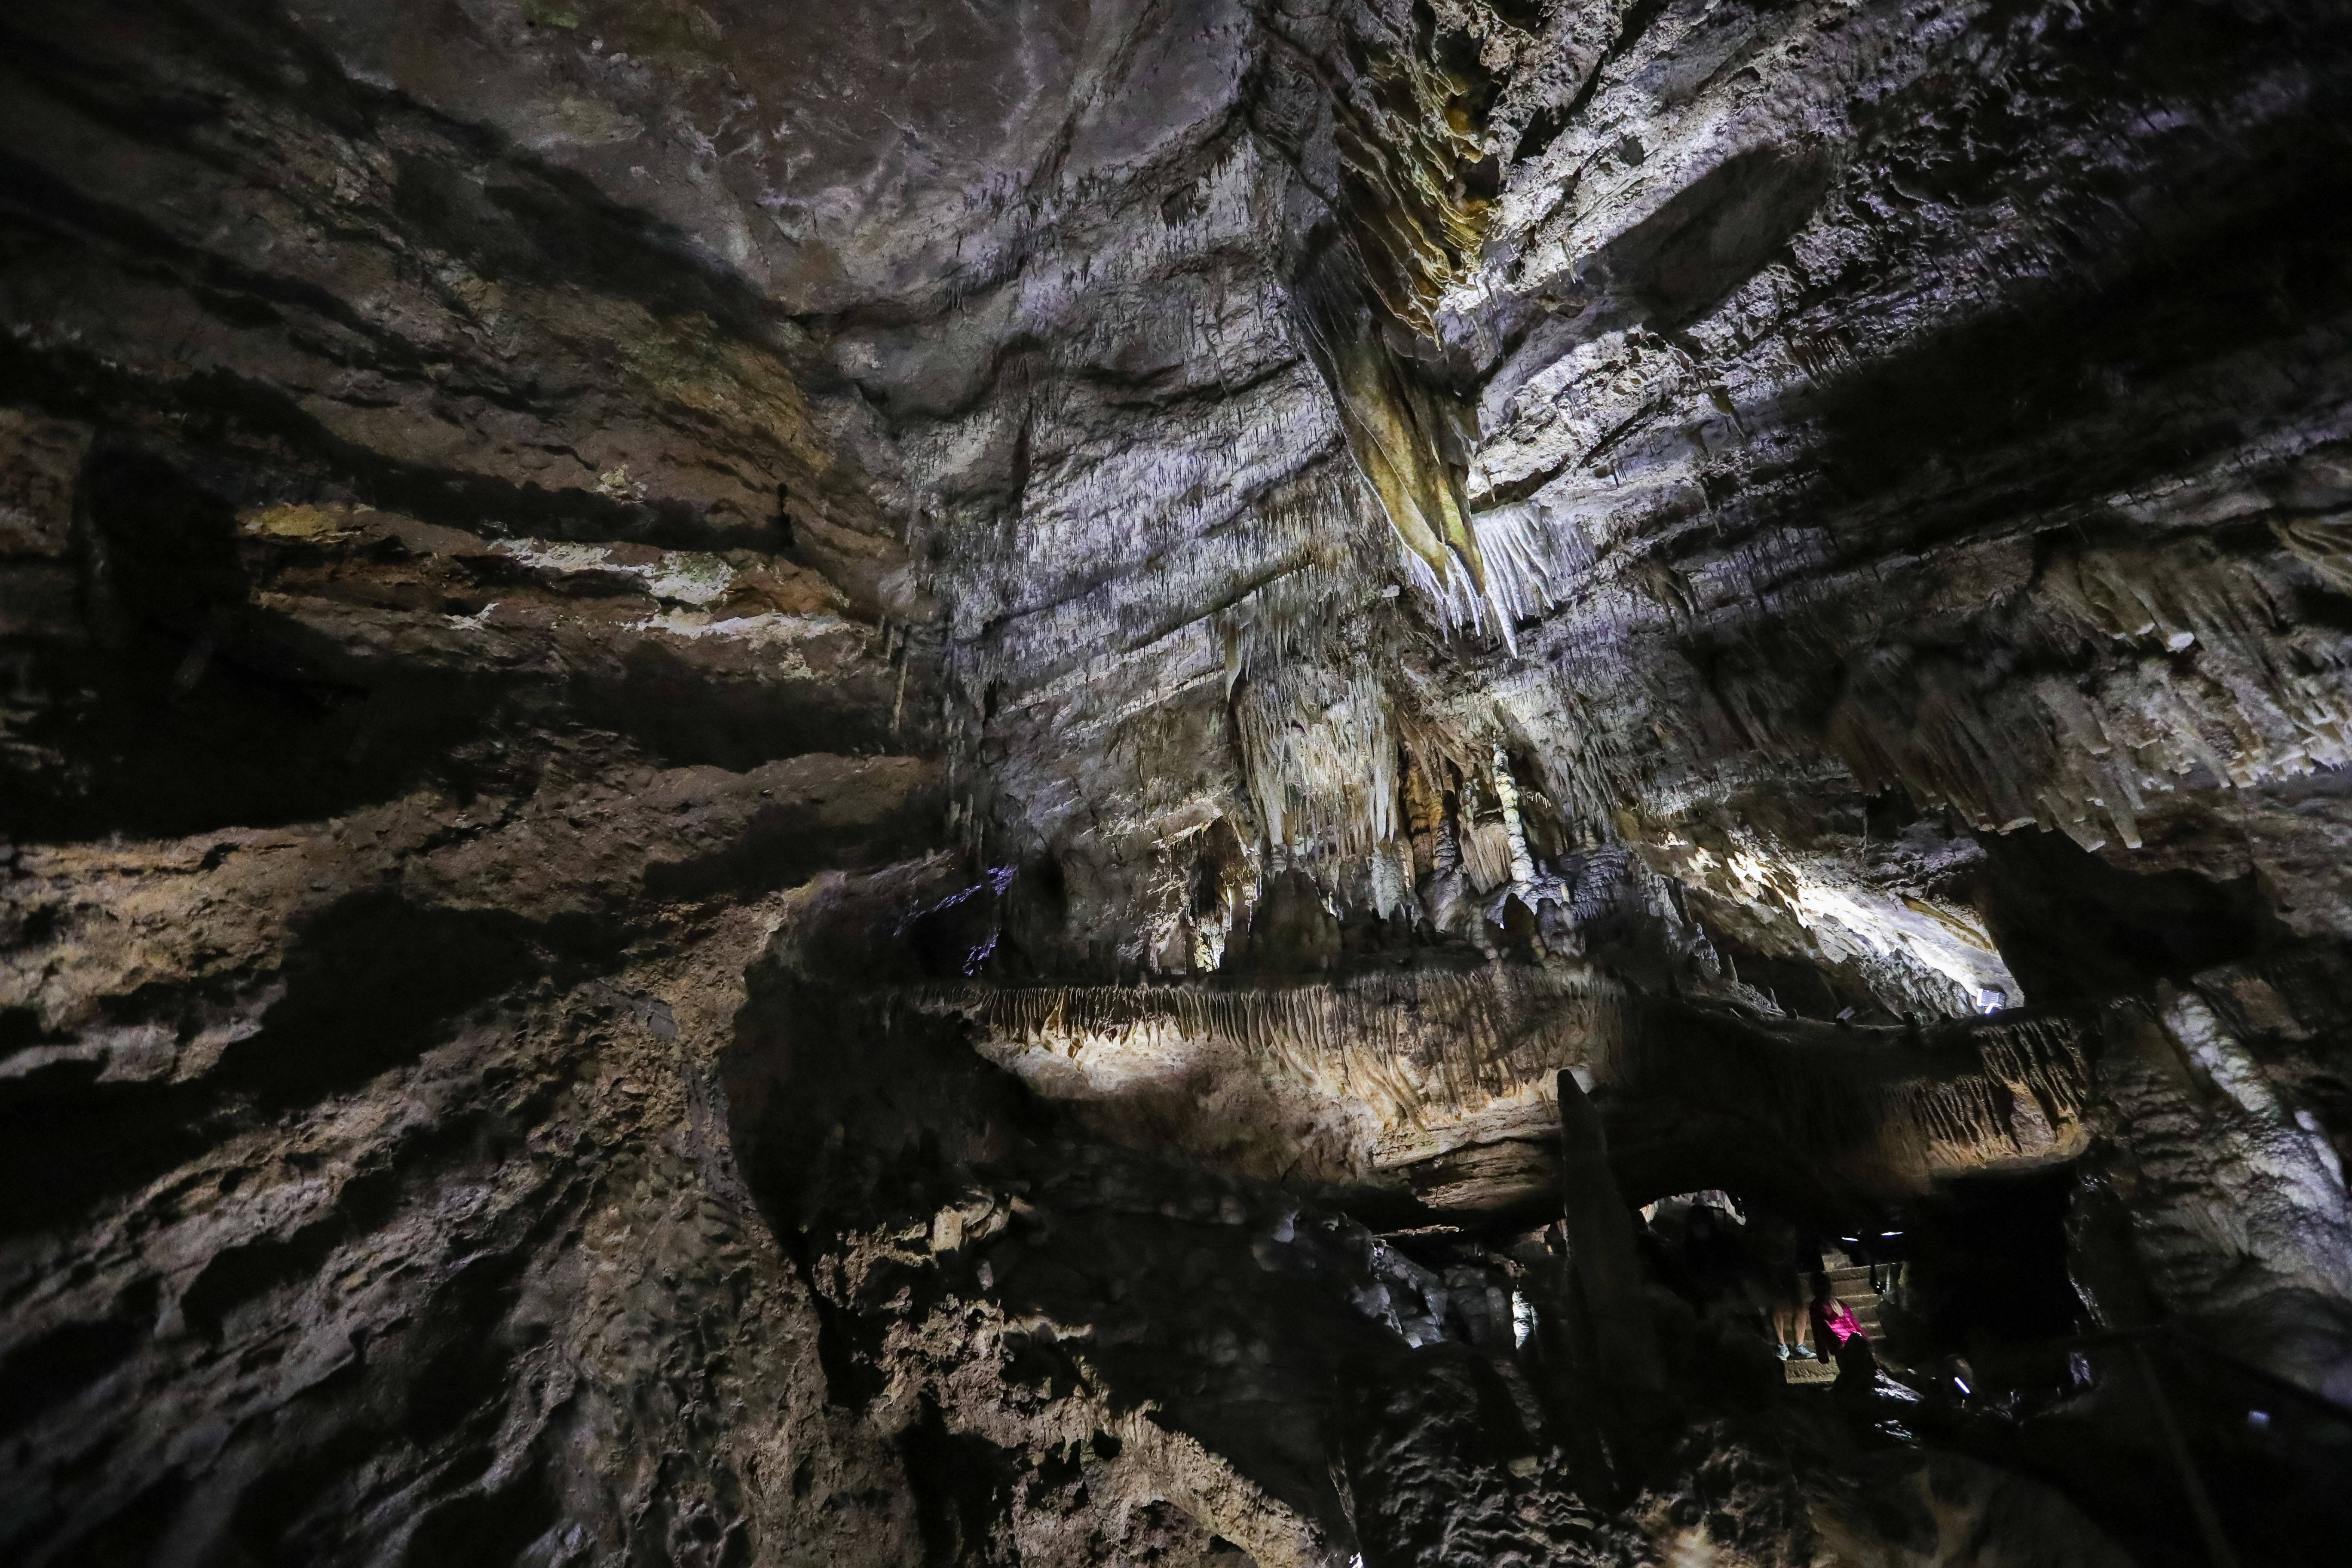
<point>1803,1354</point>
<point>1781,1350</point>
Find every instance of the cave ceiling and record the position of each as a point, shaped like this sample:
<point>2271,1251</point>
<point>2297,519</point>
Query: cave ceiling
<point>775,779</point>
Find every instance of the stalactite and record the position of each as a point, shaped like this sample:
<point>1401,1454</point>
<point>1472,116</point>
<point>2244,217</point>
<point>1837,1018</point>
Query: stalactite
<point>2043,1055</point>
<point>1417,1049</point>
<point>1969,1121</point>
<point>1321,758</point>
<point>1872,1105</point>
<point>1514,832</point>
<point>1422,1052</point>
<point>2189,677</point>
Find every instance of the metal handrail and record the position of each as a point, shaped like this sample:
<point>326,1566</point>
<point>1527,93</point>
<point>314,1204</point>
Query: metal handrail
<point>2201,1503</point>
<point>2207,1348</point>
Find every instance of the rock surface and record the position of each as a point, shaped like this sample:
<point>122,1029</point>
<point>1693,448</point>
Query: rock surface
<point>787,784</point>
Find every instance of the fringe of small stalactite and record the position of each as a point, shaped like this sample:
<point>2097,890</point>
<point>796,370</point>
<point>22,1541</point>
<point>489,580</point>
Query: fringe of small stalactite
<point>2080,752</point>
<point>1966,1116</point>
<point>1403,1042</point>
<point>1844,1099</point>
<point>2044,1055</point>
<point>1408,1045</point>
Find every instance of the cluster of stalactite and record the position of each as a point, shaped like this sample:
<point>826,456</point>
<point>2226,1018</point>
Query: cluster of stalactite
<point>2043,1055</point>
<point>1965,1115</point>
<point>2201,667</point>
<point>1411,212</point>
<point>1321,757</point>
<point>2026,1099</point>
<point>1968,1095</point>
<point>1415,1062</point>
<point>1412,1046</point>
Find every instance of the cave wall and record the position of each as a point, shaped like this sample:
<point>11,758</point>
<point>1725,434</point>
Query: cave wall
<point>770,775</point>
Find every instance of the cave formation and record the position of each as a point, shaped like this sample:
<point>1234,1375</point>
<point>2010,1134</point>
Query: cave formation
<point>1175,783</point>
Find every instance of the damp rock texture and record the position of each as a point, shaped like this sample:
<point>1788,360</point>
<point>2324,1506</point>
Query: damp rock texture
<point>795,784</point>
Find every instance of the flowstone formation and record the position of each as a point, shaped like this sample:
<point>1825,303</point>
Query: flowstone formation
<point>1174,782</point>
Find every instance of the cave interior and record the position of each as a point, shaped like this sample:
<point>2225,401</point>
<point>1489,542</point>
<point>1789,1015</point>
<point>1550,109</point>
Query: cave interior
<point>1193,784</point>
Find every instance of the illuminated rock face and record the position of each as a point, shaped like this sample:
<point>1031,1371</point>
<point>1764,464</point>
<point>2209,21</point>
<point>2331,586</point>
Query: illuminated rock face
<point>786,783</point>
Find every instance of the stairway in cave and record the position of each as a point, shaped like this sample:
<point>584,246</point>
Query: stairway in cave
<point>1854,1287</point>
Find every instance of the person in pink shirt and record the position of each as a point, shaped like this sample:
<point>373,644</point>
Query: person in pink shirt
<point>1833,1321</point>
<point>1839,1337</point>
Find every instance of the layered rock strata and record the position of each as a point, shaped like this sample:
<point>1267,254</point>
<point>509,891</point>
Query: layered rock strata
<point>791,786</point>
